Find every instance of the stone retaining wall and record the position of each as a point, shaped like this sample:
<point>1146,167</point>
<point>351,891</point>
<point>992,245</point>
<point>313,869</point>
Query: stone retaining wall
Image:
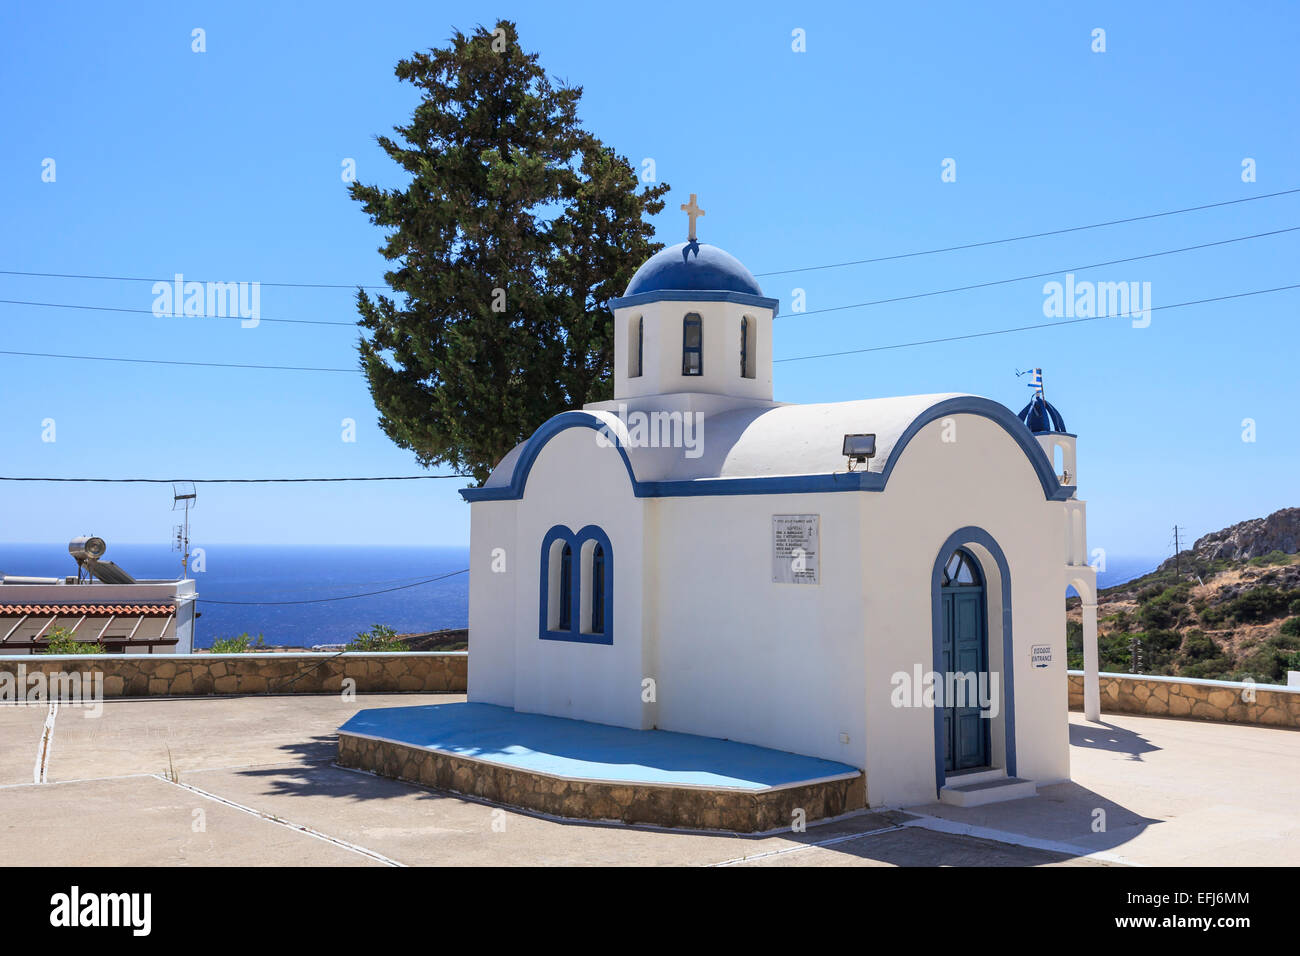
<point>189,675</point>
<point>666,806</point>
<point>1179,697</point>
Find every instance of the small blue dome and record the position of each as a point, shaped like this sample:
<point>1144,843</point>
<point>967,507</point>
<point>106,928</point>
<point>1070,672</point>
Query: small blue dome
<point>695,267</point>
<point>1041,416</point>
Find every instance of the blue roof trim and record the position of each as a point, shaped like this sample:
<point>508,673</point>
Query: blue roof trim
<point>1053,490</point>
<point>695,295</point>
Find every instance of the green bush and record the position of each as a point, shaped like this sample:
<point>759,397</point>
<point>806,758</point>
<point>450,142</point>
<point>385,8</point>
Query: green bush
<point>1256,606</point>
<point>1263,663</point>
<point>236,645</point>
<point>1073,644</point>
<point>1119,621</point>
<point>1259,605</point>
<point>1273,557</point>
<point>1284,641</point>
<point>63,641</point>
<point>1291,627</point>
<point>380,637</point>
<point>1202,657</point>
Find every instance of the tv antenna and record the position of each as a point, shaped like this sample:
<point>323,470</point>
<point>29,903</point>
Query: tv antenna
<point>184,498</point>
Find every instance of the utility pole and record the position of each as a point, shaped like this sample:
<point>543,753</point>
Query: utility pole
<point>1135,647</point>
<point>1178,565</point>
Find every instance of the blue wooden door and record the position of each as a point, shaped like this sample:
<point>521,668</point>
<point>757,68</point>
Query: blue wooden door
<point>965,653</point>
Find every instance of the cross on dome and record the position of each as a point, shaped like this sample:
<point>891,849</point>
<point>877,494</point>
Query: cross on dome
<point>693,212</point>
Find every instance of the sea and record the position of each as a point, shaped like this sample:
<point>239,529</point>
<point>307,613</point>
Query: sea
<point>298,596</point>
<point>292,596</point>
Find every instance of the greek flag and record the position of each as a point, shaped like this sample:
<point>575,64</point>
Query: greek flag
<point>1036,380</point>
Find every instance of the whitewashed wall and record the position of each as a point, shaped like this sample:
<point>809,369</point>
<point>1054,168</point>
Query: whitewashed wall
<point>740,657</point>
<point>662,357</point>
<point>573,482</point>
<point>982,479</point>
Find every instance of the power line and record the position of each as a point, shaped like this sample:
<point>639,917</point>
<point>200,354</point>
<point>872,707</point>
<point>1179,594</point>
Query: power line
<point>105,308</point>
<point>796,358</point>
<point>171,279</point>
<point>232,481</point>
<point>1041,275</point>
<point>1025,328</point>
<point>831,265</point>
<point>1032,235</point>
<point>342,597</point>
<point>837,308</point>
<point>140,361</point>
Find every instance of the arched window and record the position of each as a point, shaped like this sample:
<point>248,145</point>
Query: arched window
<point>577,586</point>
<point>636,347</point>
<point>747,347</point>
<point>566,588</point>
<point>598,590</point>
<point>961,571</point>
<point>692,345</point>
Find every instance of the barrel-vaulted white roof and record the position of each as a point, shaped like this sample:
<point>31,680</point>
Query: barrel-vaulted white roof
<point>793,439</point>
<point>757,449</point>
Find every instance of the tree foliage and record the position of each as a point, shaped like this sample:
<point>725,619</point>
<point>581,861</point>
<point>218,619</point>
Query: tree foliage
<point>514,229</point>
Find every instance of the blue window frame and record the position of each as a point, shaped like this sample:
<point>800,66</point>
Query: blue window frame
<point>640,345</point>
<point>598,590</point>
<point>566,588</point>
<point>744,347</point>
<point>576,603</point>
<point>692,345</point>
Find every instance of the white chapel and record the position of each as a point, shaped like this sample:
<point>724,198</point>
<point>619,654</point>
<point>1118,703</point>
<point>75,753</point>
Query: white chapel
<point>877,582</point>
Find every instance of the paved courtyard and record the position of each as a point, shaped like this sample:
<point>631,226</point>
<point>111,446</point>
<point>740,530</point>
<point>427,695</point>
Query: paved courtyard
<point>250,781</point>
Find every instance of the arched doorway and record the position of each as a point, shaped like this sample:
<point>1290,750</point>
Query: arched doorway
<point>964,655</point>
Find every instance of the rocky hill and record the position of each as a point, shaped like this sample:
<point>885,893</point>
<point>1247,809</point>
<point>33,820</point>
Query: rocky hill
<point>1227,609</point>
<point>1255,538</point>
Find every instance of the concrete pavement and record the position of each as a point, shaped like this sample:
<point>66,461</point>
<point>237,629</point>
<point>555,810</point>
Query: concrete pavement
<point>250,781</point>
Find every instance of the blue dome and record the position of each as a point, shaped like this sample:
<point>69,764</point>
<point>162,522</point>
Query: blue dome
<point>1041,416</point>
<point>693,267</point>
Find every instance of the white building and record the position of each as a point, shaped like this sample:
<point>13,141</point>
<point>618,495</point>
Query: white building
<point>695,557</point>
<point>123,615</point>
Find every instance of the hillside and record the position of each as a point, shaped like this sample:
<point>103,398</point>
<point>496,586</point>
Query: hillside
<point>1228,608</point>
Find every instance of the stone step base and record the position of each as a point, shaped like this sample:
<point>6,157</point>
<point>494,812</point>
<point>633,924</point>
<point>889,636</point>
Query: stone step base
<point>694,808</point>
<point>987,791</point>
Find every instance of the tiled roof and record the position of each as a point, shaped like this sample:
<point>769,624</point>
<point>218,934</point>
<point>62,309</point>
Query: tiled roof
<point>148,610</point>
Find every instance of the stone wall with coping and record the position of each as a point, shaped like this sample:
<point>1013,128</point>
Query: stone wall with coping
<point>191,675</point>
<point>1273,705</point>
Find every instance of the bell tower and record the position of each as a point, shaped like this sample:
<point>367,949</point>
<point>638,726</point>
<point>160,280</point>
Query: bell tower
<point>693,321</point>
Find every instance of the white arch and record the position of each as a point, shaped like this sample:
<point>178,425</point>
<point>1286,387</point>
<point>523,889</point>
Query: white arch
<point>1084,581</point>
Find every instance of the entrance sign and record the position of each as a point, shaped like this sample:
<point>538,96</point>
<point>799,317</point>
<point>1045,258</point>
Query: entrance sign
<point>796,549</point>
<point>1040,655</point>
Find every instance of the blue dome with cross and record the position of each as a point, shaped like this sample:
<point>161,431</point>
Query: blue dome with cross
<point>693,271</point>
<point>695,267</point>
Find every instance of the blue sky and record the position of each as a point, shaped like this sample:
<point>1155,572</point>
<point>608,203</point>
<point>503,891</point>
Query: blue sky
<point>226,165</point>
